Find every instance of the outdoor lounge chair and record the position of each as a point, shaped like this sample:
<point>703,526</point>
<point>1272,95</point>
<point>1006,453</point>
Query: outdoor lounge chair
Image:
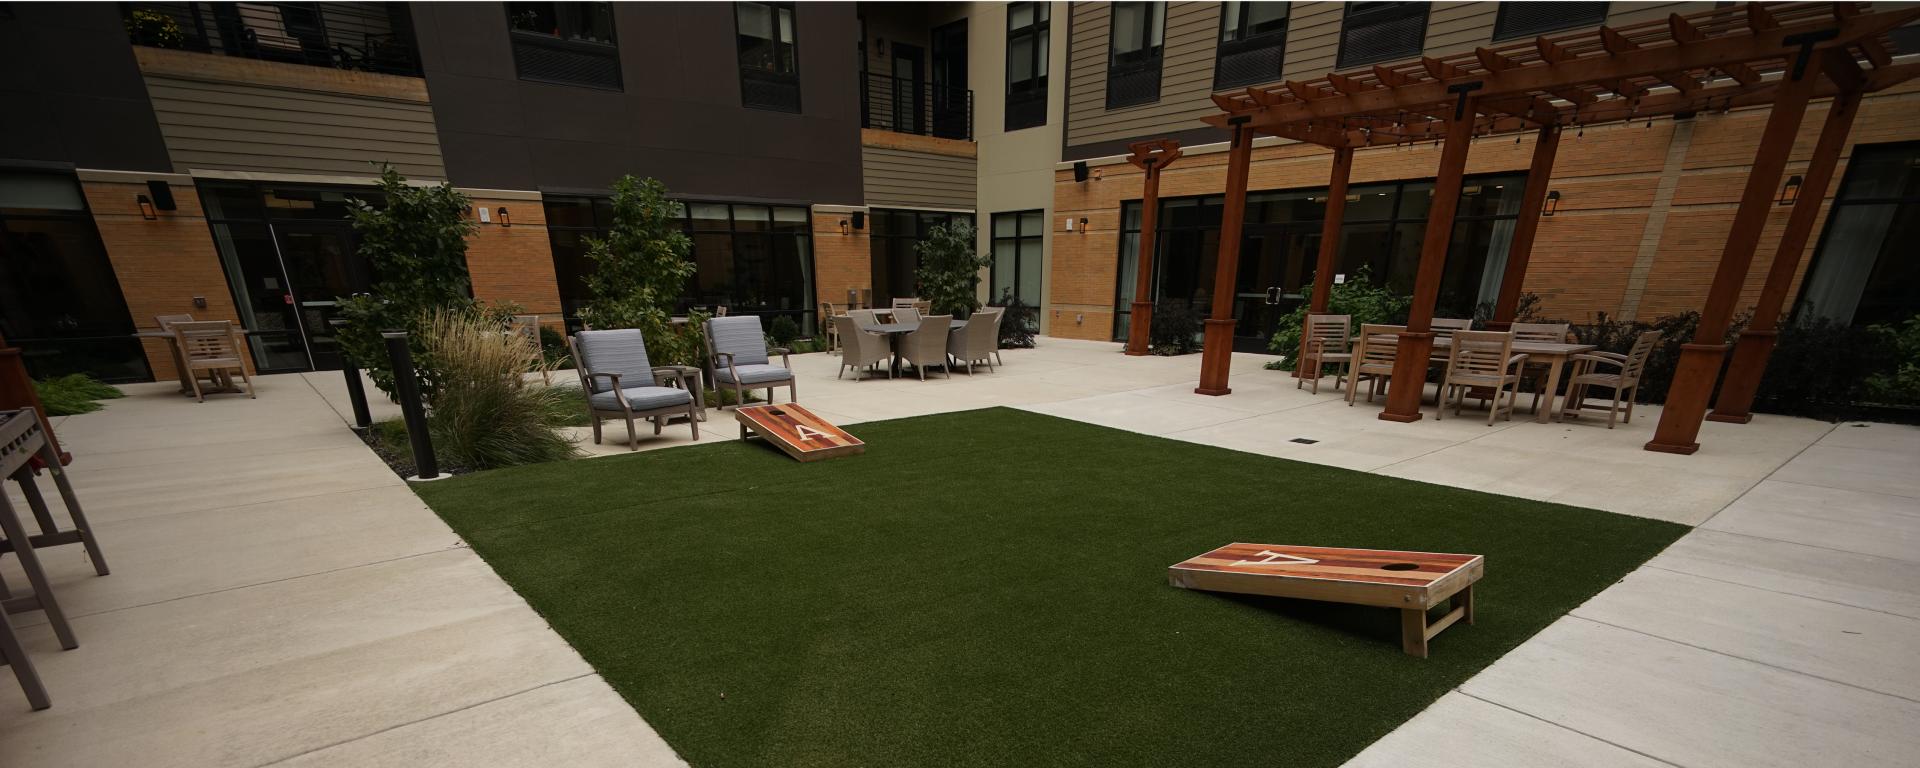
<point>208,346</point>
<point>737,356</point>
<point>976,342</point>
<point>1373,359</point>
<point>1481,359</point>
<point>620,382</point>
<point>927,345</point>
<point>1326,344</point>
<point>1624,380</point>
<point>860,348</point>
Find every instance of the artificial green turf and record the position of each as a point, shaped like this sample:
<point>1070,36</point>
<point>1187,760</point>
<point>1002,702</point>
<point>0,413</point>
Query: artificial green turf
<point>989,588</point>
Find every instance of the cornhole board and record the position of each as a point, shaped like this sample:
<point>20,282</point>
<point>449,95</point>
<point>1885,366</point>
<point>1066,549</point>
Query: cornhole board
<point>797,431</point>
<point>1410,582</point>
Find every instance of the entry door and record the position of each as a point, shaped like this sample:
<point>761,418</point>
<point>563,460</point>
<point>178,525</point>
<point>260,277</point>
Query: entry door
<point>1274,262</point>
<point>321,267</point>
<point>909,102</point>
<point>949,97</point>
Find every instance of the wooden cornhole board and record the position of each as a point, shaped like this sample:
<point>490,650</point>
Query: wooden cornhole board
<point>797,431</point>
<point>1410,582</point>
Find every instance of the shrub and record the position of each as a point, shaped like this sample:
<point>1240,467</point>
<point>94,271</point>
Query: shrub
<point>782,331</point>
<point>1361,297</point>
<point>1176,328</point>
<point>485,413</point>
<point>949,272</point>
<point>1898,382</point>
<point>1018,323</point>
<point>417,245</point>
<point>1823,369</point>
<point>74,393</point>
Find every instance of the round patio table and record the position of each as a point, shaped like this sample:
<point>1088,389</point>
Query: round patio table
<point>895,331</point>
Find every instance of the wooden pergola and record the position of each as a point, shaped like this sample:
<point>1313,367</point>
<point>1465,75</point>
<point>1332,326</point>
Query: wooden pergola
<point>1753,55</point>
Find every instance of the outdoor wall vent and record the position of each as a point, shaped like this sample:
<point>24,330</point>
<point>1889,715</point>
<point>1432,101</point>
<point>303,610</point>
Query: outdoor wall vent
<point>1080,171</point>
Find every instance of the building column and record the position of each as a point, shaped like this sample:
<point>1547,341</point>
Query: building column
<point>1329,241</point>
<point>1151,163</point>
<point>1699,364</point>
<point>1533,199</point>
<point>1404,392</point>
<point>1735,403</point>
<point>1216,358</point>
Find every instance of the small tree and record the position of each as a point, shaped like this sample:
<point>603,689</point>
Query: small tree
<point>417,244</point>
<point>949,272</point>
<point>640,270</point>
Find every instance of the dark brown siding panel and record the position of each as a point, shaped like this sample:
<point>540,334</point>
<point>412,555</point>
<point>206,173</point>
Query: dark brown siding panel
<point>72,90</point>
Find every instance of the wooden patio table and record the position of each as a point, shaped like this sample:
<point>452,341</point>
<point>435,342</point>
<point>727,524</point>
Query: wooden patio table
<point>1554,355</point>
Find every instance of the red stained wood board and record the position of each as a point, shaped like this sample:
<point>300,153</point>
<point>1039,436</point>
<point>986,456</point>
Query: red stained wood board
<point>797,431</point>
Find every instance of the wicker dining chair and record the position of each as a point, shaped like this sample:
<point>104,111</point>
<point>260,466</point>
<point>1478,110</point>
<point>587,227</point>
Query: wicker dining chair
<point>861,348</point>
<point>1481,359</point>
<point>903,302</point>
<point>209,345</point>
<point>1326,344</point>
<point>1373,359</point>
<point>908,315</point>
<point>1534,376</point>
<point>1624,380</point>
<point>927,345</point>
<point>975,343</point>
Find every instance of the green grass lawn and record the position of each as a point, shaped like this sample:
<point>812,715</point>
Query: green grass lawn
<point>989,588</point>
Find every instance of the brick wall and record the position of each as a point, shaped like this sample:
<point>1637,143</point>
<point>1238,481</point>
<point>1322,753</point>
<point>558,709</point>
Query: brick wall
<point>514,264</point>
<point>1613,245</point>
<point>840,261</point>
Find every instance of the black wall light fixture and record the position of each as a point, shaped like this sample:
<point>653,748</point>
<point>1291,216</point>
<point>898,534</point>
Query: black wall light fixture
<point>1790,193</point>
<point>1553,204</point>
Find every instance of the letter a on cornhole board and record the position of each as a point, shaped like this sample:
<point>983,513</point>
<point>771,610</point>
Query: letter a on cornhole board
<point>797,431</point>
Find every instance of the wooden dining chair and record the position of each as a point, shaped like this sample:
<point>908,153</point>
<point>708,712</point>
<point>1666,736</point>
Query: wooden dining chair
<point>1481,359</point>
<point>209,346</point>
<point>1326,344</point>
<point>1373,359</point>
<point>830,329</point>
<point>528,328</point>
<point>166,321</point>
<point>1624,379</point>
<point>1534,376</point>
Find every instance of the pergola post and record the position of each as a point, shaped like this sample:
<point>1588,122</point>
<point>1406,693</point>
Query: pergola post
<point>1520,249</point>
<point>1699,365</point>
<point>1329,241</point>
<point>1735,403</point>
<point>1408,385</point>
<point>1217,356</point>
<point>1151,163</point>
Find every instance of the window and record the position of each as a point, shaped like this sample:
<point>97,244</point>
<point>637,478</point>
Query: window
<point>60,300</point>
<point>1019,242</point>
<point>892,237</point>
<point>1864,271</point>
<point>1517,19</point>
<point>1135,48</point>
<point>769,56</point>
<point>1253,39</point>
<point>1027,36</point>
<point>570,43</point>
<point>1381,32</point>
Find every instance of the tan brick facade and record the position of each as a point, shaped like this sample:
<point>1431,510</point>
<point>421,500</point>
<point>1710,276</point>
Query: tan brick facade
<point>514,263</point>
<point>841,262</point>
<point>1584,257</point>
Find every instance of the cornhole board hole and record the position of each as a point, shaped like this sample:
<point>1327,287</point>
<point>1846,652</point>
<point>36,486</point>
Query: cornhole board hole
<point>797,431</point>
<point>1410,582</point>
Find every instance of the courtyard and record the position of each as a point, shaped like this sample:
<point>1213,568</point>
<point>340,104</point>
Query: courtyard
<point>986,585</point>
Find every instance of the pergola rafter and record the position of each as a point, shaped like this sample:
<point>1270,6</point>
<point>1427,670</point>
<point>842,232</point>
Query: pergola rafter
<point>1781,56</point>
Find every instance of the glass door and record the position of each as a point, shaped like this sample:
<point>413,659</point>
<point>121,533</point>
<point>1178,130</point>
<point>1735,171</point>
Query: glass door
<point>321,266</point>
<point>909,108</point>
<point>1274,263</point>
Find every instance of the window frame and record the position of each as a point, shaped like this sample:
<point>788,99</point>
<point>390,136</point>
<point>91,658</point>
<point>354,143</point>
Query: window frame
<point>789,79</point>
<point>1019,236</point>
<point>1245,43</point>
<point>1378,15</point>
<point>1502,20</point>
<point>1148,58</point>
<point>1034,88</point>
<point>566,15</point>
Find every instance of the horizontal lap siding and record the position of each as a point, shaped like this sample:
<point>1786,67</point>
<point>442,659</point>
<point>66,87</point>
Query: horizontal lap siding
<point>217,125</point>
<point>1186,75</point>
<point>902,178</point>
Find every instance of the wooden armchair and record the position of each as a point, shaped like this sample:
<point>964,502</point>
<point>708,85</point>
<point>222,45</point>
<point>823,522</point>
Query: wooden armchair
<point>209,346</point>
<point>1591,371</point>
<point>737,355</point>
<point>829,328</point>
<point>1325,344</point>
<point>1481,359</point>
<point>1373,359</point>
<point>620,382</point>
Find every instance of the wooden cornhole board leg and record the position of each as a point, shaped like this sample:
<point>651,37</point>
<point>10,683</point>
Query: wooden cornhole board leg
<point>1415,631</point>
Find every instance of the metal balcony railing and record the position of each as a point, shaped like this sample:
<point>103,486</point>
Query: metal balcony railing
<point>373,37</point>
<point>903,105</point>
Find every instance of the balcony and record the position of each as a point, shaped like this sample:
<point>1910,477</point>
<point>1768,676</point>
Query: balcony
<point>370,37</point>
<point>904,105</point>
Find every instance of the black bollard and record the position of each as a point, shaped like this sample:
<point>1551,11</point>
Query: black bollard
<point>408,387</point>
<point>356,391</point>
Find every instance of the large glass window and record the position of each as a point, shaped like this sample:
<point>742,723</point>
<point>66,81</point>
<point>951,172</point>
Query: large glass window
<point>1027,37</point>
<point>570,43</point>
<point>769,56</point>
<point>1381,32</point>
<point>1524,19</point>
<point>1135,48</point>
<point>1864,271</point>
<point>60,301</point>
<point>1253,40</point>
<point>892,237</point>
<point>1019,245</point>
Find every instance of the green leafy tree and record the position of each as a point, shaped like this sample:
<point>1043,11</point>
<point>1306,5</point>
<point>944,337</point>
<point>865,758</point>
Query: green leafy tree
<point>1359,296</point>
<point>640,270</point>
<point>949,272</point>
<point>416,242</point>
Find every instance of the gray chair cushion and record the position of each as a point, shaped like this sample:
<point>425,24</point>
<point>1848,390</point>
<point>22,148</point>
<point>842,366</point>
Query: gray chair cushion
<point>642,398</point>
<point>754,374</point>
<point>622,352</point>
<point>739,336</point>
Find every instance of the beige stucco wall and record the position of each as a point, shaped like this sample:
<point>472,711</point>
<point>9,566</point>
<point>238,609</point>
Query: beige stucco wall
<point>1015,169</point>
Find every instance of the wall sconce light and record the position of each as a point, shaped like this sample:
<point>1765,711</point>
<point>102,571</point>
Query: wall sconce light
<point>1553,204</point>
<point>504,221</point>
<point>1083,226</point>
<point>1096,174</point>
<point>1790,193</point>
<point>843,226</point>
<point>146,207</point>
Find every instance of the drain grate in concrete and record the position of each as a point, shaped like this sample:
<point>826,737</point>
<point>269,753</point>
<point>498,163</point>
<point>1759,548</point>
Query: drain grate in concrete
<point>1303,441</point>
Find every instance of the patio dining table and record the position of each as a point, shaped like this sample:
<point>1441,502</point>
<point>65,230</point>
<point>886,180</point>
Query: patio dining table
<point>1554,355</point>
<point>897,331</point>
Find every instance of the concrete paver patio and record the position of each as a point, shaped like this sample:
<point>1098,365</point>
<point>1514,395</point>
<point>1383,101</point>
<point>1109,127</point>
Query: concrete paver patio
<point>279,597</point>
